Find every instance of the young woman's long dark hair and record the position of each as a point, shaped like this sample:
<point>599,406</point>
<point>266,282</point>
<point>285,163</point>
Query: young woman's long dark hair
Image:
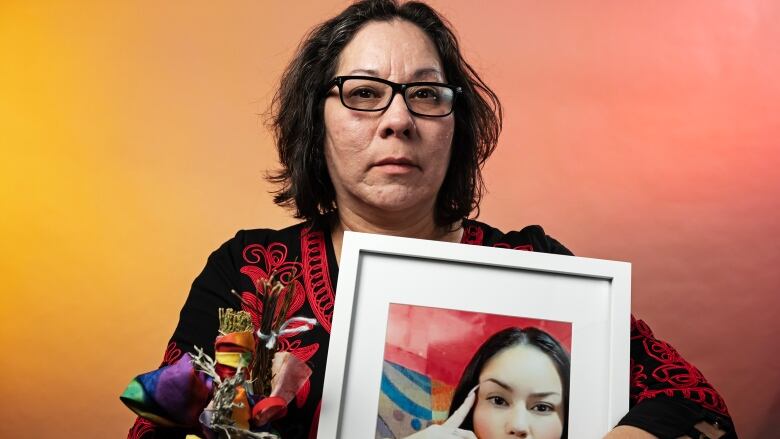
<point>504,339</point>
<point>297,113</point>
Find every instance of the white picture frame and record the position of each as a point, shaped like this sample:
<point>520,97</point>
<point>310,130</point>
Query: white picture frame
<point>375,271</point>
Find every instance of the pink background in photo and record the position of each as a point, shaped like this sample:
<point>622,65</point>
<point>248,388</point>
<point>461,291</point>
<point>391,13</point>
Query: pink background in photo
<point>440,342</point>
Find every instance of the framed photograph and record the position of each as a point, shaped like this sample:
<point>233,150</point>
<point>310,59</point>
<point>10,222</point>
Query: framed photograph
<point>418,324</point>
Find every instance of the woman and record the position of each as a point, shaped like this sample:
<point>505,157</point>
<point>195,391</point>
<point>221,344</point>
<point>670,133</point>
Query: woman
<point>523,379</point>
<point>515,385</point>
<point>382,127</point>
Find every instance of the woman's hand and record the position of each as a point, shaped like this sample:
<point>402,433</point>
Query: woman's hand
<point>449,429</point>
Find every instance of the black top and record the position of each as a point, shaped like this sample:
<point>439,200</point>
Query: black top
<point>668,394</point>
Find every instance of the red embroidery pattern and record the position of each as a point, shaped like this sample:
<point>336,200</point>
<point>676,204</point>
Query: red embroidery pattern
<point>473,235</point>
<point>524,247</point>
<point>316,276</point>
<point>171,355</point>
<point>254,306</point>
<point>273,260</point>
<point>638,375</point>
<point>302,353</point>
<point>140,428</point>
<point>674,375</point>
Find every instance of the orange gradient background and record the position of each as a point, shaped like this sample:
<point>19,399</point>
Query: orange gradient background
<point>132,147</point>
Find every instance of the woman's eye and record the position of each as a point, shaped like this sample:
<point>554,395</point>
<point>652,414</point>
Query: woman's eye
<point>425,94</point>
<point>498,401</point>
<point>543,407</point>
<point>363,93</point>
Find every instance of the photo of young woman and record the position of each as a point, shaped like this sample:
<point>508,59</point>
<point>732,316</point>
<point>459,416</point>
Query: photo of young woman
<point>506,377</point>
<point>523,387</point>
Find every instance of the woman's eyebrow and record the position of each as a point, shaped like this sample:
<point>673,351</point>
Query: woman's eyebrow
<point>533,395</point>
<point>504,385</point>
<point>426,72</point>
<point>423,73</point>
<point>367,72</point>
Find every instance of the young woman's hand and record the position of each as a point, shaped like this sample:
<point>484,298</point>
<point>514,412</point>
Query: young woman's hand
<point>450,428</point>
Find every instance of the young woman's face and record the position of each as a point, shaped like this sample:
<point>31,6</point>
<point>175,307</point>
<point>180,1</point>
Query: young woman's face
<point>520,395</point>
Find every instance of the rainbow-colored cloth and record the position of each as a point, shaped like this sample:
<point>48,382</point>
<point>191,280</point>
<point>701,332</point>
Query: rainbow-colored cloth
<point>172,396</point>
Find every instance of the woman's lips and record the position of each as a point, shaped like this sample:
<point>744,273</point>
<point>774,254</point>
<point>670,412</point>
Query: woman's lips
<point>394,165</point>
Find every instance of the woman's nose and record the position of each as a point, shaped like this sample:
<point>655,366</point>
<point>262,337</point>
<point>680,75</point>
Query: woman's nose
<point>517,424</point>
<point>396,119</point>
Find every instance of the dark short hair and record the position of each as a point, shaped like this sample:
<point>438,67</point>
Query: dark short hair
<point>296,113</point>
<point>504,339</point>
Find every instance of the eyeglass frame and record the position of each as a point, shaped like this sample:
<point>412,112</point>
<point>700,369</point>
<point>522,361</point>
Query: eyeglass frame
<point>397,89</point>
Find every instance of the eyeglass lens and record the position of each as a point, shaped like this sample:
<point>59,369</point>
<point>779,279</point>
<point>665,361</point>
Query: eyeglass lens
<point>366,94</point>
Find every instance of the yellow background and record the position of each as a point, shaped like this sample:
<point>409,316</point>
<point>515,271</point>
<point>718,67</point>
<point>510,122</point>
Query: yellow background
<point>132,146</point>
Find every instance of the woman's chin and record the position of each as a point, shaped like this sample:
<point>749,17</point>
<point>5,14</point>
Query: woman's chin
<point>394,202</point>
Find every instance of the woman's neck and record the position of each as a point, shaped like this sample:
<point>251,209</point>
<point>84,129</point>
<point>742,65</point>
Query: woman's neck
<point>408,226</point>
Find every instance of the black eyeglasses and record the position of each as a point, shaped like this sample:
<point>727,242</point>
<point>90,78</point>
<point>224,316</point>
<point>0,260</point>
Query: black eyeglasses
<point>366,93</point>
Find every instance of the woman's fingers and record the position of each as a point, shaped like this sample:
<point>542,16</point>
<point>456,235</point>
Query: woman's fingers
<point>450,428</point>
<point>459,415</point>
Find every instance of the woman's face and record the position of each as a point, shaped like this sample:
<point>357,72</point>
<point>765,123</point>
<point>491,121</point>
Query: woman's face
<point>391,160</point>
<point>520,395</point>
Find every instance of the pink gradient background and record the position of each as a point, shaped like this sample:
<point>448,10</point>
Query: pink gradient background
<point>132,147</point>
